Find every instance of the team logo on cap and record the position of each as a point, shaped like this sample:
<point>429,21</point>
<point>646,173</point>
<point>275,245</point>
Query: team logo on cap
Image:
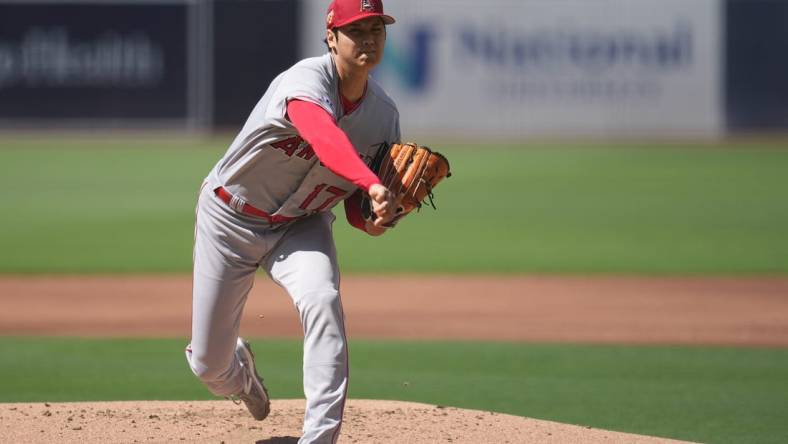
<point>330,18</point>
<point>366,5</point>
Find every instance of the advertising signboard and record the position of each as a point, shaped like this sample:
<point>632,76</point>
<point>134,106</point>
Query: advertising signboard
<point>516,68</point>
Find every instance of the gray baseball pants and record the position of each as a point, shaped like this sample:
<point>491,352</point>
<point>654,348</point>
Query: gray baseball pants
<point>229,247</point>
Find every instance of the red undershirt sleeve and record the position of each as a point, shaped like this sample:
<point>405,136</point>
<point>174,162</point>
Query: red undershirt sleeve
<point>330,143</point>
<point>353,211</point>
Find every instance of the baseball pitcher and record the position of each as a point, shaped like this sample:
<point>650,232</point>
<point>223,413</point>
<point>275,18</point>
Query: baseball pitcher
<point>266,204</point>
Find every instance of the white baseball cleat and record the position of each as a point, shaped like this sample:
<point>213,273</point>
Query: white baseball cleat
<point>254,393</point>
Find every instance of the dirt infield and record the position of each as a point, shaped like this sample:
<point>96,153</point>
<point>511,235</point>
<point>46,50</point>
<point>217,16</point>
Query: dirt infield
<point>726,311</point>
<point>722,311</point>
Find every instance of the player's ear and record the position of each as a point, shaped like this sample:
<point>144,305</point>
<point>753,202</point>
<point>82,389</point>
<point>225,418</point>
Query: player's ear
<point>331,40</point>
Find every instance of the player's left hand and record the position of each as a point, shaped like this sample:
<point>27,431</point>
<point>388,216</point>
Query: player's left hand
<point>372,229</point>
<point>383,205</point>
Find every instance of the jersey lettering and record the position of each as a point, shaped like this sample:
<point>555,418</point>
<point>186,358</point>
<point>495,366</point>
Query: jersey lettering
<point>334,194</point>
<point>312,196</point>
<point>306,152</point>
<point>289,145</point>
<point>295,145</point>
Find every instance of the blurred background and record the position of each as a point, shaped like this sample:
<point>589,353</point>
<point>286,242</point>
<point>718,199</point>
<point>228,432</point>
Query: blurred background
<point>588,139</point>
<point>502,68</point>
<point>617,136</point>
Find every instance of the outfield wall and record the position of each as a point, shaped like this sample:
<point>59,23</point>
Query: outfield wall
<point>542,67</point>
<point>756,65</point>
<point>505,68</point>
<point>85,62</point>
<point>184,64</point>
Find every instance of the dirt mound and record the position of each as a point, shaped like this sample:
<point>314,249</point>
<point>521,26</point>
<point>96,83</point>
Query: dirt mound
<point>217,422</point>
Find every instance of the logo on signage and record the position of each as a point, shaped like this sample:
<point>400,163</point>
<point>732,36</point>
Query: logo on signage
<point>411,61</point>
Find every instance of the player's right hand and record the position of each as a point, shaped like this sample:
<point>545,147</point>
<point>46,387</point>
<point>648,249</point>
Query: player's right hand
<point>383,204</point>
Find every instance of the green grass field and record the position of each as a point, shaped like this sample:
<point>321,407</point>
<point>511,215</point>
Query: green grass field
<point>101,206</point>
<point>127,206</point>
<point>715,395</point>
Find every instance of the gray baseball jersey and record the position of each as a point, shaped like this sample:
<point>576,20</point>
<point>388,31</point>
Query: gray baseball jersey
<point>296,183</point>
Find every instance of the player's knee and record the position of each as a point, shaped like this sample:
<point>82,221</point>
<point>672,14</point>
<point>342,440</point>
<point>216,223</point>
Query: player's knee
<point>322,311</point>
<point>325,300</point>
<point>208,370</point>
<point>208,374</point>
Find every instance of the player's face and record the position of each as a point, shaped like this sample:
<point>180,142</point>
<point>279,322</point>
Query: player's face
<point>361,43</point>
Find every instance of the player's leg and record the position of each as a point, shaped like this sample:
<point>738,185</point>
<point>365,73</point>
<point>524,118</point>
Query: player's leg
<point>305,264</point>
<point>225,261</point>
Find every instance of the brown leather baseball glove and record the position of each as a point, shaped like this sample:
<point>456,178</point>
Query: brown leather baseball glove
<point>410,172</point>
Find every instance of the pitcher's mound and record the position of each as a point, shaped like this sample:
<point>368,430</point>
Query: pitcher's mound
<point>366,421</point>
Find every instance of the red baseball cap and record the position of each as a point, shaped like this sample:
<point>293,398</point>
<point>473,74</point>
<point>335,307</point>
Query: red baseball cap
<point>343,12</point>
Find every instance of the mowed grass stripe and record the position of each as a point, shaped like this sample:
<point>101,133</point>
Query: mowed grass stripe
<point>714,395</point>
<point>658,209</point>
